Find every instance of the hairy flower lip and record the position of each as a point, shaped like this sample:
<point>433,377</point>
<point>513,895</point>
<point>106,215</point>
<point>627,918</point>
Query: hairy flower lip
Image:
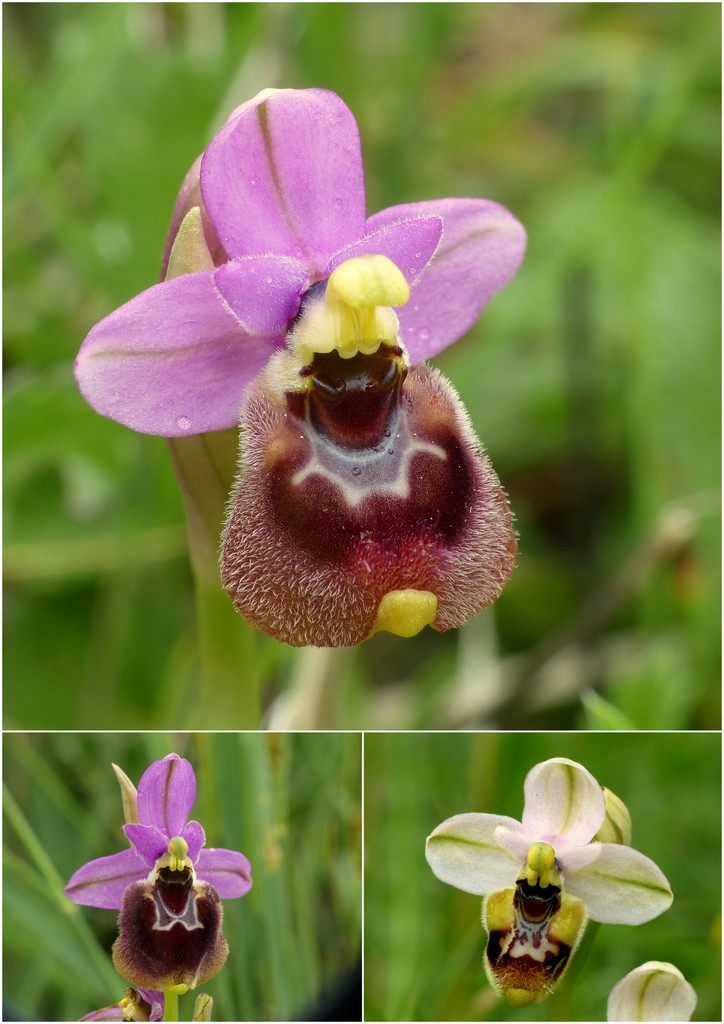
<point>450,536</point>
<point>177,359</point>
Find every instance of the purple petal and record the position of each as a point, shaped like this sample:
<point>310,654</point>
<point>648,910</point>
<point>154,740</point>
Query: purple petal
<point>410,244</point>
<point>227,871</point>
<point>150,844</point>
<point>102,882</point>
<point>194,835</point>
<point>284,175</point>
<point>481,249</point>
<point>113,1012</point>
<point>172,361</point>
<point>263,292</point>
<point>155,1000</point>
<point>166,794</point>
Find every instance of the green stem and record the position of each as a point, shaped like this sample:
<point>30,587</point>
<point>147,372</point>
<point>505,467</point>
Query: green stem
<point>170,1009</point>
<point>228,678</point>
<point>558,1006</point>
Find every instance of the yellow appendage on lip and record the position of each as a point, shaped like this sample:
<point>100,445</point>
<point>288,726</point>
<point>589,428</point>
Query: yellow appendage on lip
<point>405,612</point>
<point>356,314</point>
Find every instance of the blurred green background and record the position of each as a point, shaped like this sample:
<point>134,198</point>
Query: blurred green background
<point>291,803</point>
<point>423,939</point>
<point>593,379</point>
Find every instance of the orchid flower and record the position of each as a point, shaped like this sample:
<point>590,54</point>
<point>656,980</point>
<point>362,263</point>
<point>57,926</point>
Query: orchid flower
<point>364,500</point>
<point>167,886</point>
<point>654,991</point>
<point>137,1005</point>
<point>543,877</point>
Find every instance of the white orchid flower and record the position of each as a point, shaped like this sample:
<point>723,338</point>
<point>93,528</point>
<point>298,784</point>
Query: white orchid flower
<point>544,876</point>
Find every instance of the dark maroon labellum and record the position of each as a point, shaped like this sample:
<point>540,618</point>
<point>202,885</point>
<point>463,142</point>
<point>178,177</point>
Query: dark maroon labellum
<point>170,932</point>
<point>366,481</point>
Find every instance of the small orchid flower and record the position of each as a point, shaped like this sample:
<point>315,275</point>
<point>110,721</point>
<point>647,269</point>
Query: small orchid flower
<point>654,991</point>
<point>364,499</point>
<point>544,877</point>
<point>137,1005</point>
<point>167,886</point>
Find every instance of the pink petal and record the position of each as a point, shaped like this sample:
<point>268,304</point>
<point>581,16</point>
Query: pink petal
<point>227,871</point>
<point>410,244</point>
<point>150,843</point>
<point>166,794</point>
<point>284,175</point>
<point>263,292</point>
<point>564,804</point>
<point>194,835</point>
<point>481,249</point>
<point>172,361</point>
<point>102,882</point>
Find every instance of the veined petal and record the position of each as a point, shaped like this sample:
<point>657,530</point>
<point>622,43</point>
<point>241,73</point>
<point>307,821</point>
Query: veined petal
<point>285,175</point>
<point>621,886</point>
<point>166,794</point>
<point>156,1000</point>
<point>172,361</point>
<point>149,842</point>
<point>263,292</point>
<point>410,244</point>
<point>227,871</point>
<point>564,804</point>
<point>653,991</point>
<point>102,882</point>
<point>463,852</point>
<point>481,249</point>
<point>195,837</point>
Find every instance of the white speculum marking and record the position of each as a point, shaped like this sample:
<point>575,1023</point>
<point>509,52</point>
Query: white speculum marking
<point>528,939</point>
<point>359,473</point>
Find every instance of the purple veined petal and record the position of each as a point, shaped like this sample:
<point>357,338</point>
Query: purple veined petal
<point>463,852</point>
<point>564,805</point>
<point>156,1000</point>
<point>284,175</point>
<point>166,794</point>
<point>102,882</point>
<point>263,292</point>
<point>149,842</point>
<point>188,197</point>
<point>226,871</point>
<point>194,835</point>
<point>621,886</point>
<point>410,244</point>
<point>113,1012</point>
<point>173,361</point>
<point>481,249</point>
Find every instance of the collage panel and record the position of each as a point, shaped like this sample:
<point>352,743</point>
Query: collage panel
<point>578,329</point>
<point>267,823</point>
<point>431,954</point>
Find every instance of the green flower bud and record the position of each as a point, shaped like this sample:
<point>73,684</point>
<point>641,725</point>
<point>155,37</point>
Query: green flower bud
<point>616,826</point>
